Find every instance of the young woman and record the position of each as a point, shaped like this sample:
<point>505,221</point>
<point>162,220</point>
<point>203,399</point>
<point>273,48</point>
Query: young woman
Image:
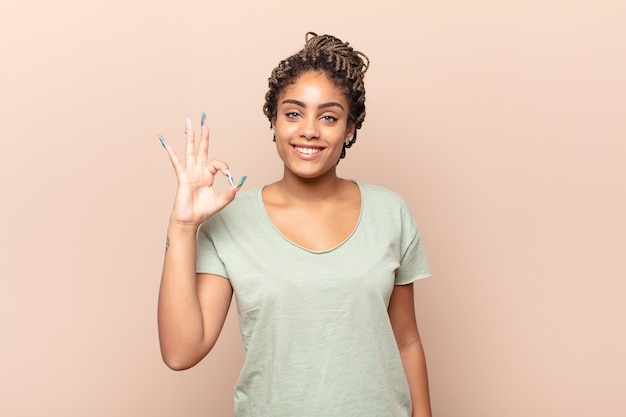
<point>322,268</point>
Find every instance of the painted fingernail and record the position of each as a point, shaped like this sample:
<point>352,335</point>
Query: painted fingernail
<point>241,181</point>
<point>230,178</point>
<point>161,139</point>
<point>202,119</point>
<point>187,125</point>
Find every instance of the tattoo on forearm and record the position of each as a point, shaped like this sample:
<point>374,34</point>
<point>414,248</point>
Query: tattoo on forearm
<point>167,243</point>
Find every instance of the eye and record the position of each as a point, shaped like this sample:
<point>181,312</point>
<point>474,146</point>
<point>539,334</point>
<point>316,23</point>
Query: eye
<point>292,115</point>
<point>329,119</point>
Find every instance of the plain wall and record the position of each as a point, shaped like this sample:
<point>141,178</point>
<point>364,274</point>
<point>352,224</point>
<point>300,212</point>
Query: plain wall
<point>502,123</point>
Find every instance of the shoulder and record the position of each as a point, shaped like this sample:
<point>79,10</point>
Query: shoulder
<point>380,195</point>
<point>386,208</point>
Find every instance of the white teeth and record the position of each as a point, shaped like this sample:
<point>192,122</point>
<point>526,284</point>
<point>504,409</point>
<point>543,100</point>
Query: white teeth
<point>307,151</point>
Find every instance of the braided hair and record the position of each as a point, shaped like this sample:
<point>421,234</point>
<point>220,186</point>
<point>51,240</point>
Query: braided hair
<point>343,66</point>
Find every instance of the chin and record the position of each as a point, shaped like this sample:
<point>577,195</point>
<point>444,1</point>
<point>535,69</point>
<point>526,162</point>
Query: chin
<point>310,174</point>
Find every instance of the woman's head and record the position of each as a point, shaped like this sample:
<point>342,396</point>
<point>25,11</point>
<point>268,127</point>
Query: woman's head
<point>343,66</point>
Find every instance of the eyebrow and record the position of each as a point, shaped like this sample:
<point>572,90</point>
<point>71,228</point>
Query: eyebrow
<point>321,106</point>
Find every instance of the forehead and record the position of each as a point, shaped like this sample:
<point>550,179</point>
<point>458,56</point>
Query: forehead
<point>314,86</point>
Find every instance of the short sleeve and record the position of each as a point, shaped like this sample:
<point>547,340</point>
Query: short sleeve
<point>413,261</point>
<point>414,264</point>
<point>207,258</point>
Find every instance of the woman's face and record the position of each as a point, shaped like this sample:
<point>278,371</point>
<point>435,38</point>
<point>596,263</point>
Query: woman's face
<point>311,125</point>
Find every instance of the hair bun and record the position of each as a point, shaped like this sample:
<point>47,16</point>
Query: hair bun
<point>347,58</point>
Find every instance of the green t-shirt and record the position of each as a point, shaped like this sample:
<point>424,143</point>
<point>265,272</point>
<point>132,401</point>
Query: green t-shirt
<point>314,324</point>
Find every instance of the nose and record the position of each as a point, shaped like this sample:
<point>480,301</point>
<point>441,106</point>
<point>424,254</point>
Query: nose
<point>309,128</point>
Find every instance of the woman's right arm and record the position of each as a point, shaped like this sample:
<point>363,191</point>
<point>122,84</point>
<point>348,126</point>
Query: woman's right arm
<point>192,307</point>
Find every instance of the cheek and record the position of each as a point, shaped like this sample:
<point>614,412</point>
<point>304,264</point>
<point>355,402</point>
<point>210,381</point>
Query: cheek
<point>285,130</point>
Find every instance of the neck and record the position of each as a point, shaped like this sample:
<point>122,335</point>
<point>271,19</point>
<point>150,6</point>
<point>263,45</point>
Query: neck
<point>315,189</point>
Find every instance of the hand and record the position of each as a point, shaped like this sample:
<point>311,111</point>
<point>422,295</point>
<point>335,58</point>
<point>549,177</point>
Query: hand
<point>196,200</point>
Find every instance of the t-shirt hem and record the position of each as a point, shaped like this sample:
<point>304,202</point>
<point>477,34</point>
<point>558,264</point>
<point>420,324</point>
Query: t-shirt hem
<point>218,274</point>
<point>413,279</point>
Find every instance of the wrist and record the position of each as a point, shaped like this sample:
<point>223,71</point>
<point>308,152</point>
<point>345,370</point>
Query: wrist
<point>182,228</point>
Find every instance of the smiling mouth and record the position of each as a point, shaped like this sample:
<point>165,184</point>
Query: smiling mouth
<point>308,151</point>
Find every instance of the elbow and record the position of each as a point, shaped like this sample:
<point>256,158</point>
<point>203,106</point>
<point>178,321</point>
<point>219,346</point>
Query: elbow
<point>178,362</point>
<point>410,344</point>
<point>182,359</point>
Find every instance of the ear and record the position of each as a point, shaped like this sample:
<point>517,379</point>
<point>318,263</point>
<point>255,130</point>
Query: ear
<point>350,133</point>
<point>273,128</point>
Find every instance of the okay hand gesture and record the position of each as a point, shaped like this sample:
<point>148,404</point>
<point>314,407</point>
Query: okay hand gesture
<point>196,199</point>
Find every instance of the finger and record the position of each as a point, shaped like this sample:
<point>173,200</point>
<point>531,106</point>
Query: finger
<point>174,159</point>
<point>216,166</point>
<point>226,197</point>
<point>203,147</point>
<point>190,149</point>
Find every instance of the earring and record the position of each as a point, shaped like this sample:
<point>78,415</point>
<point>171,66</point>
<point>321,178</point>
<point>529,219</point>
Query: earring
<point>350,140</point>
<point>273,134</point>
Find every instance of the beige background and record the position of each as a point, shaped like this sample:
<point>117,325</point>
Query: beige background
<point>501,122</point>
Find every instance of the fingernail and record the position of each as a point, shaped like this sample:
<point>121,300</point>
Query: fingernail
<point>202,119</point>
<point>229,177</point>
<point>161,139</point>
<point>241,181</point>
<point>187,125</point>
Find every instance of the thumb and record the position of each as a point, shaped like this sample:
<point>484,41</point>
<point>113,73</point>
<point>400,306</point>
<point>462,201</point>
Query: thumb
<point>227,197</point>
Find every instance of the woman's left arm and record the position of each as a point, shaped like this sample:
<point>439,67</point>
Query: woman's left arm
<point>402,316</point>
